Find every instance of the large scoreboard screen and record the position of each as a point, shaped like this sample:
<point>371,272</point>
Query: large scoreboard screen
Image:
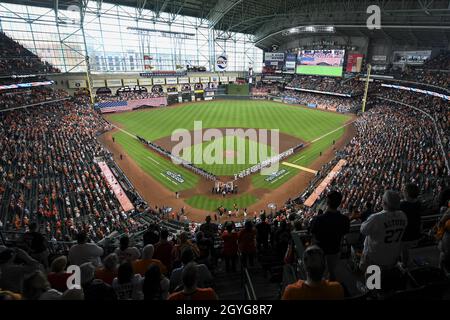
<point>321,62</point>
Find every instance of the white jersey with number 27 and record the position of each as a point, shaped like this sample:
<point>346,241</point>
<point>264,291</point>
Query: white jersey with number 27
<point>384,231</point>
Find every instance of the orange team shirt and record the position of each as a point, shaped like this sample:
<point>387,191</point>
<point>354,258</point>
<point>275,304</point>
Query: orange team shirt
<point>325,291</point>
<point>105,275</point>
<point>141,266</point>
<point>199,294</point>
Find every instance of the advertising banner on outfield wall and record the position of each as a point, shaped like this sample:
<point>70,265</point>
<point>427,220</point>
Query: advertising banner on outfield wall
<point>159,81</point>
<point>232,79</point>
<point>194,79</point>
<point>204,79</point>
<point>171,80</point>
<point>110,83</point>
<point>183,80</point>
<point>98,83</point>
<point>130,82</point>
<point>145,82</point>
<point>223,79</point>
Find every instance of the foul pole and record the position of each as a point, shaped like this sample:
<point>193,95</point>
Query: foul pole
<point>366,89</point>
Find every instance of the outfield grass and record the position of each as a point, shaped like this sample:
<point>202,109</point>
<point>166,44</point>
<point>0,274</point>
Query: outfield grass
<point>152,124</point>
<point>306,124</point>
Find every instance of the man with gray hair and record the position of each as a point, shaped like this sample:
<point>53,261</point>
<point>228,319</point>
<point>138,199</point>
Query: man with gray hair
<point>384,231</point>
<point>141,265</point>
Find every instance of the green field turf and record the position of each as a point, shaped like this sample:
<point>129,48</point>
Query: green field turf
<point>212,155</point>
<point>155,165</point>
<point>320,70</point>
<point>211,204</point>
<point>152,124</point>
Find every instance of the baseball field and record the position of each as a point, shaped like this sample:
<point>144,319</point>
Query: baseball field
<point>316,129</point>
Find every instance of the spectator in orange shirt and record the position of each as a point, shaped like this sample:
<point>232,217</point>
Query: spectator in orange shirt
<point>247,243</point>
<point>230,248</point>
<point>141,265</point>
<point>190,290</point>
<point>163,249</point>
<point>108,272</point>
<point>314,287</point>
<point>183,242</point>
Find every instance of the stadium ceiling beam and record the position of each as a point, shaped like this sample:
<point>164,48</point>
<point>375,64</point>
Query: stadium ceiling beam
<point>140,6</point>
<point>56,8</point>
<point>351,12</point>
<point>221,8</point>
<point>162,8</point>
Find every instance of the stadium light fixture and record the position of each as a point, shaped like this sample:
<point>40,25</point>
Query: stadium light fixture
<point>310,29</point>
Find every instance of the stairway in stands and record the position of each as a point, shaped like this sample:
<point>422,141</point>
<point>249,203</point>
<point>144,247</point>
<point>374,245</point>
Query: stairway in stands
<point>230,286</point>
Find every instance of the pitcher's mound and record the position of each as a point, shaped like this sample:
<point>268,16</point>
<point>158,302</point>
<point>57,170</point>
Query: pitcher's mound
<point>229,154</point>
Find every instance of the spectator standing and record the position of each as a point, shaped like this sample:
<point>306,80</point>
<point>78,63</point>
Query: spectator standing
<point>108,271</point>
<point>384,231</point>
<point>36,244</point>
<point>13,274</point>
<point>163,250</point>
<point>84,252</point>
<point>314,287</point>
<point>262,234</point>
<point>204,278</point>
<point>156,285</point>
<point>125,252</point>
<point>127,285</point>
<point>95,289</point>
<point>328,230</point>
<point>142,265</point>
<point>247,243</point>
<point>37,287</point>
<point>412,207</point>
<point>58,275</point>
<point>230,248</point>
<point>190,290</point>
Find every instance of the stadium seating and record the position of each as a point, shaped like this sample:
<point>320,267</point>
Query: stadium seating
<point>54,172</point>
<point>16,60</point>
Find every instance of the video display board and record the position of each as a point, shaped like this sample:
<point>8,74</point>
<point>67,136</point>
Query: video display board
<point>321,62</point>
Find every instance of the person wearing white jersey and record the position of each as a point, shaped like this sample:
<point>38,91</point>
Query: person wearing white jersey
<point>384,231</point>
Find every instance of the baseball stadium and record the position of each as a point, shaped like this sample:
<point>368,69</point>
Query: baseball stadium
<point>224,150</point>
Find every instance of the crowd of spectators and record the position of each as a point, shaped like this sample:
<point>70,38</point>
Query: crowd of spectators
<point>19,97</point>
<point>16,60</point>
<point>52,188</point>
<point>323,101</point>
<point>48,172</point>
<point>264,90</point>
<point>434,106</point>
<point>351,87</point>
<point>393,145</point>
